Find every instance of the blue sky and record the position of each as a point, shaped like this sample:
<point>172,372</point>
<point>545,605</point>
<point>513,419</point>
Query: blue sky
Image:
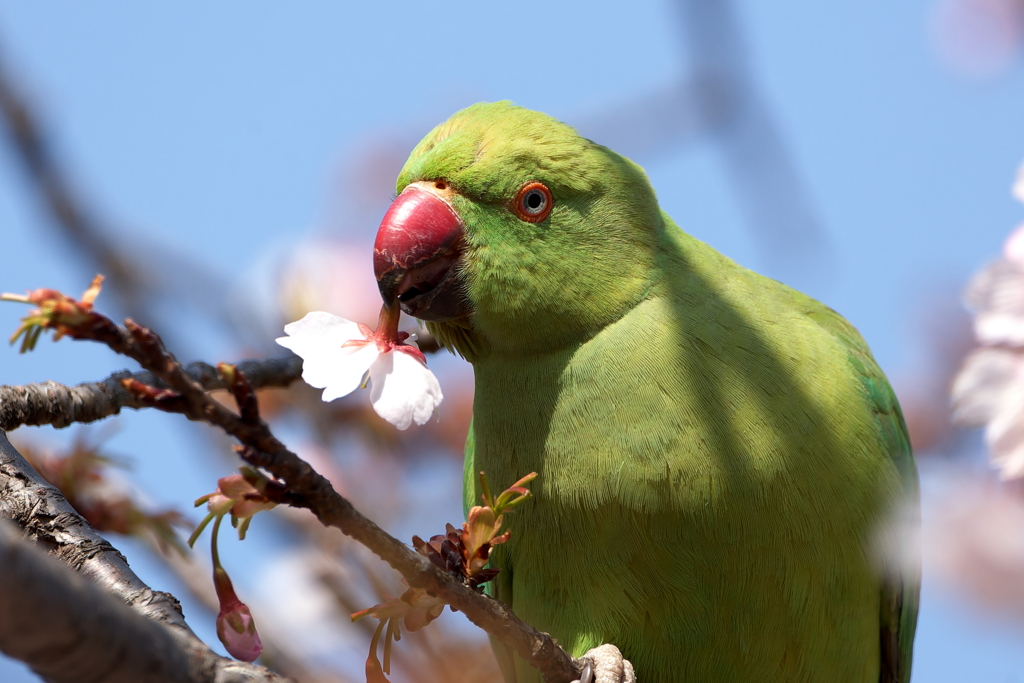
<point>228,131</point>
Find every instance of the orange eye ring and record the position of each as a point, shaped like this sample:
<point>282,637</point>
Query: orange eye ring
<point>533,202</point>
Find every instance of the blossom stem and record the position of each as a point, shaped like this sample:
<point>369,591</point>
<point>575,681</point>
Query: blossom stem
<point>372,660</point>
<point>389,635</point>
<point>387,322</point>
<point>213,542</point>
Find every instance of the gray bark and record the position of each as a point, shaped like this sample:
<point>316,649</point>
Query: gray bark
<point>87,617</point>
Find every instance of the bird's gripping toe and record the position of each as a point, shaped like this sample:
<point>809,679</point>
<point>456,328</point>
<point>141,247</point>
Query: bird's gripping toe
<point>605,664</point>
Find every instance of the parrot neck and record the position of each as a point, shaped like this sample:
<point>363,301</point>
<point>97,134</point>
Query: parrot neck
<point>514,440</point>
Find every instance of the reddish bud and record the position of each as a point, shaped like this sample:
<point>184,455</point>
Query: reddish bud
<point>235,626</point>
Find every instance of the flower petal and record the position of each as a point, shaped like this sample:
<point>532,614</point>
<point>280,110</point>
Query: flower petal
<point>319,325</point>
<point>403,390</point>
<point>1013,248</point>
<point>234,486</point>
<point>996,293</point>
<point>342,374</point>
<point>988,381</point>
<point>319,340</point>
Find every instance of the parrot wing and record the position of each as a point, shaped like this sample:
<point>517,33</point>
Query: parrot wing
<point>901,587</point>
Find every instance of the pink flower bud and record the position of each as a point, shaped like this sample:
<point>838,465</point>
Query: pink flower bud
<point>235,626</point>
<point>250,506</point>
<point>219,504</point>
<point>238,496</point>
<point>234,486</point>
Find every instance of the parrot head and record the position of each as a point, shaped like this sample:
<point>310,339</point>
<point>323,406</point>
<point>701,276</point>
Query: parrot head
<point>512,233</point>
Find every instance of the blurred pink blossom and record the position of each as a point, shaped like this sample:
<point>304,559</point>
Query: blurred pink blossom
<point>972,542</point>
<point>327,275</point>
<point>979,37</point>
<point>989,389</point>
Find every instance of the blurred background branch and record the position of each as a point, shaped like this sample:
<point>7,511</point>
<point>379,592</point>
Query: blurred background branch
<point>718,99</point>
<point>67,211</point>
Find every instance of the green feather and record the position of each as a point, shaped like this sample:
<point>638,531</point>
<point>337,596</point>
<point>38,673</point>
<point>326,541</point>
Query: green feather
<point>724,470</point>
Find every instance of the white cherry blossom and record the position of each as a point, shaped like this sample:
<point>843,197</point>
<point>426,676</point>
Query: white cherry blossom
<point>337,354</point>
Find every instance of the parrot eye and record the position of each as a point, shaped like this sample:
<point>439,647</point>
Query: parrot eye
<point>533,203</point>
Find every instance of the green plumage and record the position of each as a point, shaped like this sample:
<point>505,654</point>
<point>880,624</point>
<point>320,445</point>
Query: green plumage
<point>723,466</point>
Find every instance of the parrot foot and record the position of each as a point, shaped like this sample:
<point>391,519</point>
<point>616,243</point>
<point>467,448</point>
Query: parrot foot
<point>605,664</point>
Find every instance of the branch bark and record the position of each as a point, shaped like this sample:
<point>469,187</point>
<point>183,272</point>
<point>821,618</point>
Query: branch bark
<point>78,630</point>
<point>50,403</point>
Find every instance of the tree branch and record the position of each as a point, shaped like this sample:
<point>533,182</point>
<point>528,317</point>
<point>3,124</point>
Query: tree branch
<point>76,624</point>
<point>307,488</point>
<point>302,485</point>
<point>50,403</point>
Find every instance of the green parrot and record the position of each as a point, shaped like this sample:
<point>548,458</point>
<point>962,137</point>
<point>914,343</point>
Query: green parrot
<point>726,487</point>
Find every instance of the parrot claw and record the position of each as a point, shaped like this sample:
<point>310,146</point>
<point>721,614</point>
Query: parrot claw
<point>588,672</point>
<point>605,664</point>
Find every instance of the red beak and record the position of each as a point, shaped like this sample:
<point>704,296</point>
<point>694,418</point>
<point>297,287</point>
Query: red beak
<point>418,246</point>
